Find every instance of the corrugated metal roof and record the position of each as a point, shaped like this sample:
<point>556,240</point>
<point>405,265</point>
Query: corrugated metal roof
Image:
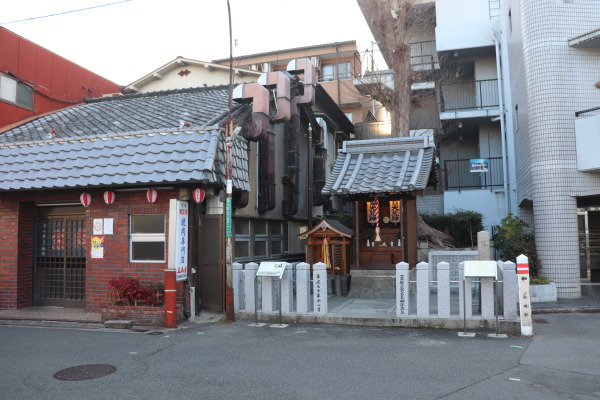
<point>138,158</point>
<point>381,166</point>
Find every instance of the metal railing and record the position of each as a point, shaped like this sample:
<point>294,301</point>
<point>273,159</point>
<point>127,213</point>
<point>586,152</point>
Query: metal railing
<point>423,55</point>
<point>470,95</point>
<point>458,175</point>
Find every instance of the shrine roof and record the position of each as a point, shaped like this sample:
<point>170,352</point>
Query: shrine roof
<point>381,166</point>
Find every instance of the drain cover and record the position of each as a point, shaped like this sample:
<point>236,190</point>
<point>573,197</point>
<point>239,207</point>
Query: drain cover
<point>155,333</point>
<point>84,372</point>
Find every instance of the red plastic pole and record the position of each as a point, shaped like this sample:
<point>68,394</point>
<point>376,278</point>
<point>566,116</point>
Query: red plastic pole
<point>170,299</point>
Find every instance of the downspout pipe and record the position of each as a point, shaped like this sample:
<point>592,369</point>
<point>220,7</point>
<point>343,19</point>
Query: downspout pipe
<point>502,123</point>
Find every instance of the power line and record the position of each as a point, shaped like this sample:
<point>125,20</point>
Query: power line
<point>65,12</point>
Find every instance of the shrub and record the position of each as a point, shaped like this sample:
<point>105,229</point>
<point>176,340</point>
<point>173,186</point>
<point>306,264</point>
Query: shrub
<point>461,225</point>
<point>511,240</point>
<point>130,290</point>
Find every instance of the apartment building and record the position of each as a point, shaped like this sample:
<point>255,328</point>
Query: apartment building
<point>517,126</point>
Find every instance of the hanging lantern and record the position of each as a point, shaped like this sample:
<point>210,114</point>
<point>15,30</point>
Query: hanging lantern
<point>109,197</point>
<point>395,211</point>
<point>371,212</point>
<point>152,195</point>
<point>85,199</point>
<point>199,195</point>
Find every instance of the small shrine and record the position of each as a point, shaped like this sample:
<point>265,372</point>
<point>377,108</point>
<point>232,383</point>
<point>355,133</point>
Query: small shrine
<point>381,178</point>
<point>329,242</point>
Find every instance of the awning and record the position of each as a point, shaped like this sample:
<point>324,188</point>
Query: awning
<point>381,166</point>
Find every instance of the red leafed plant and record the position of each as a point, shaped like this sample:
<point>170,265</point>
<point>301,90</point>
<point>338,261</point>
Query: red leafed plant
<point>130,291</point>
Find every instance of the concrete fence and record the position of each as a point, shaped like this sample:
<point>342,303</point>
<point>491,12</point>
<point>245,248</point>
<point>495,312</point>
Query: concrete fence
<point>418,294</point>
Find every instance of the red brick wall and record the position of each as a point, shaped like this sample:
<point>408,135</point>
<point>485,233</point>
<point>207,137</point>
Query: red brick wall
<point>16,244</point>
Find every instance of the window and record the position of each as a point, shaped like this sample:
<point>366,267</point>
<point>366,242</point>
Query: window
<point>147,238</point>
<point>13,91</point>
<point>328,71</point>
<point>258,239</point>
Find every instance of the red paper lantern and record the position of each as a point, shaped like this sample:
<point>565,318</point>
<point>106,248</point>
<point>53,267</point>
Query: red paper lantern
<point>85,199</point>
<point>199,195</point>
<point>152,195</point>
<point>109,197</point>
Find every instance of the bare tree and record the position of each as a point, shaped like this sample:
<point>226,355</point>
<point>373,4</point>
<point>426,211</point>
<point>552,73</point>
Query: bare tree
<point>394,24</point>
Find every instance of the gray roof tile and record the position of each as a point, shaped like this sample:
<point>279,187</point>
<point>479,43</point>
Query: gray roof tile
<point>381,165</point>
<point>162,157</point>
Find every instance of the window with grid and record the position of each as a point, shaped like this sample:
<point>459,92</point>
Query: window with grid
<point>13,91</point>
<point>147,238</point>
<point>258,239</point>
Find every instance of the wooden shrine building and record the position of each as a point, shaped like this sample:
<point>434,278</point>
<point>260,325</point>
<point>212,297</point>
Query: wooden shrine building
<point>332,233</point>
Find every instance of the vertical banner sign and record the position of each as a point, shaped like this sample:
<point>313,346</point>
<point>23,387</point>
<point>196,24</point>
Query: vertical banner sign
<point>524,295</point>
<point>178,238</point>
<point>228,217</point>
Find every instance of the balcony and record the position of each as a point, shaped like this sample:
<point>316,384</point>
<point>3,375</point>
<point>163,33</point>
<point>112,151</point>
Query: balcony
<point>423,56</point>
<point>470,99</point>
<point>457,175</point>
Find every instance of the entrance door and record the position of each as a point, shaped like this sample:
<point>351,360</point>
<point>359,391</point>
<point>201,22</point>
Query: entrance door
<point>212,263</point>
<point>59,261</point>
<point>589,243</point>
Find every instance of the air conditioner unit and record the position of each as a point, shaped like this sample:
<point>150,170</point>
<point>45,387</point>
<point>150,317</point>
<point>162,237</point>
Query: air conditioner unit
<point>316,60</point>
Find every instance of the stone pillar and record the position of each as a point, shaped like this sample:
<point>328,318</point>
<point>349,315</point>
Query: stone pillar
<point>487,298</point>
<point>320,288</point>
<point>465,284</point>
<point>287,292</point>
<point>268,294</point>
<point>423,290</point>
<point>236,269</point>
<point>443,289</point>
<point>302,288</point>
<point>249,274</point>
<point>402,290</point>
<point>510,290</point>
<point>483,246</point>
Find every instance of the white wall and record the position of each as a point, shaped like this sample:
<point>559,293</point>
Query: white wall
<point>463,24</point>
<point>489,203</point>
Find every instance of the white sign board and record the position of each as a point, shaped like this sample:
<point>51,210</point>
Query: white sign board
<point>178,238</point>
<point>270,268</point>
<point>480,269</point>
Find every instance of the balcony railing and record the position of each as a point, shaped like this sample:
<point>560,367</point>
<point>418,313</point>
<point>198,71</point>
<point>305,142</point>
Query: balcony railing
<point>457,175</point>
<point>477,95</point>
<point>423,55</point>
<point>344,69</point>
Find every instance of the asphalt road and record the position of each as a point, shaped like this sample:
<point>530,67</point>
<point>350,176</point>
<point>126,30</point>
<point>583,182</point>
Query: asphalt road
<point>236,361</point>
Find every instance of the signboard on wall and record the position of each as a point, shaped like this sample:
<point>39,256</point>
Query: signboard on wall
<point>178,238</point>
<point>480,164</point>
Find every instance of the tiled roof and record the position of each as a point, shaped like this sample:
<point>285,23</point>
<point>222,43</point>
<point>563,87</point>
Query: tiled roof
<point>381,166</point>
<point>200,107</point>
<point>141,158</point>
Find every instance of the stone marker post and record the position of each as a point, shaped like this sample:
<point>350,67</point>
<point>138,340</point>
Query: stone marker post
<point>524,295</point>
<point>402,289</point>
<point>510,291</point>
<point>320,288</point>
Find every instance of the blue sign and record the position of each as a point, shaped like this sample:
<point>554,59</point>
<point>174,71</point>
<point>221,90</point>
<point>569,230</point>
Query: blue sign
<point>480,165</point>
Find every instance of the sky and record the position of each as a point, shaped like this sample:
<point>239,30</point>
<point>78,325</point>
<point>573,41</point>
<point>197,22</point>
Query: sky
<point>123,40</point>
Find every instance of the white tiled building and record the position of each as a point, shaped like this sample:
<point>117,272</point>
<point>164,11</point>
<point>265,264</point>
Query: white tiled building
<point>537,64</point>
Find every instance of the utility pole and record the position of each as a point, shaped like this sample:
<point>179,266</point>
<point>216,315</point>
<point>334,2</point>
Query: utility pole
<point>229,310</point>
